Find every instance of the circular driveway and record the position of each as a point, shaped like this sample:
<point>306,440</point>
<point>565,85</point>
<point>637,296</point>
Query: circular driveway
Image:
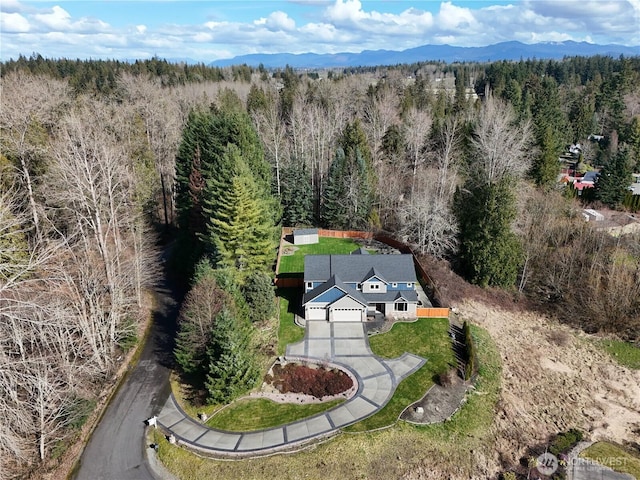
<point>342,343</point>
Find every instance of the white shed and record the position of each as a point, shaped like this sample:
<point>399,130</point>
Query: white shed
<point>305,236</point>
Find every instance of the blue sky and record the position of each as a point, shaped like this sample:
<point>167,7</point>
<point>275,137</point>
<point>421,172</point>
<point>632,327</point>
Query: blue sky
<point>210,30</point>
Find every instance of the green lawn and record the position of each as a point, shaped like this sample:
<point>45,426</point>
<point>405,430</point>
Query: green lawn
<point>427,337</point>
<point>388,453</point>
<point>288,331</point>
<point>625,353</point>
<point>613,456</point>
<point>474,419</point>
<point>295,263</point>
<point>256,414</point>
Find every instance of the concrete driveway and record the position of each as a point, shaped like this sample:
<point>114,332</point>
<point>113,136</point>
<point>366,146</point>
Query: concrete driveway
<point>345,344</point>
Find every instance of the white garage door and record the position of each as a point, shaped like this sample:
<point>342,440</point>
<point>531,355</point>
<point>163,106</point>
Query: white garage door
<point>316,313</point>
<point>347,315</point>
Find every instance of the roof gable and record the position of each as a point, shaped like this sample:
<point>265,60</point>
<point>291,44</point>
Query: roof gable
<point>333,283</point>
<point>373,273</point>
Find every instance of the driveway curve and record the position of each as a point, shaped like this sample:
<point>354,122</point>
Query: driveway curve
<point>345,344</point>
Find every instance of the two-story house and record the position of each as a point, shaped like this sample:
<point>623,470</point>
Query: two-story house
<point>350,288</point>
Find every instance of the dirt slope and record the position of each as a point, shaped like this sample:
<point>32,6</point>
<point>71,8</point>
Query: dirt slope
<point>554,378</point>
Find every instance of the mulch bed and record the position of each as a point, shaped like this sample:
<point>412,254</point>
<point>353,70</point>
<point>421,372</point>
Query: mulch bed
<point>438,404</point>
<point>307,380</point>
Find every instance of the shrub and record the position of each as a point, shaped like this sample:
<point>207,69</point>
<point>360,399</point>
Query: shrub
<point>471,364</point>
<point>565,441</point>
<point>260,296</point>
<point>318,382</point>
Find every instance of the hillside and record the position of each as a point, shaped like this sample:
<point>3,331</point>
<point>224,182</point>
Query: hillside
<point>446,53</point>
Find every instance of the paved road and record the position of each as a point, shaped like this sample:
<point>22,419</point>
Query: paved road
<point>116,448</point>
<point>341,343</point>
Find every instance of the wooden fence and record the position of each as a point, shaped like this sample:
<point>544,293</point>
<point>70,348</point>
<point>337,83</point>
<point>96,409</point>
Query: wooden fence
<point>432,312</point>
<point>284,282</point>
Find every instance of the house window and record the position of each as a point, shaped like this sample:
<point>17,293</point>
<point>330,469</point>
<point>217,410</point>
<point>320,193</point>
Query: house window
<point>394,285</point>
<point>410,285</point>
<point>374,286</point>
<point>359,286</point>
<point>309,285</point>
<point>400,307</point>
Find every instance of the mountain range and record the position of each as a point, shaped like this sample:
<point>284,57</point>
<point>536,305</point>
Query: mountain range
<point>446,53</point>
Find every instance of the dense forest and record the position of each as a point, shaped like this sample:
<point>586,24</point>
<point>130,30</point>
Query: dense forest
<point>100,157</point>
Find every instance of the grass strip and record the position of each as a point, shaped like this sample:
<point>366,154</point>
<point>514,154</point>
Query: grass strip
<point>625,353</point>
<point>613,456</point>
<point>288,331</point>
<point>257,414</point>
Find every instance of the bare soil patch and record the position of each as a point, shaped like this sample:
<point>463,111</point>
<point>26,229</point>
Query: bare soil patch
<point>438,404</point>
<point>554,379</point>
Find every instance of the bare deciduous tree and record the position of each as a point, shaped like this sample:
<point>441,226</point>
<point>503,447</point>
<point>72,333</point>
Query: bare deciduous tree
<point>27,104</point>
<point>272,132</point>
<point>427,219</point>
<point>417,127</point>
<point>500,143</point>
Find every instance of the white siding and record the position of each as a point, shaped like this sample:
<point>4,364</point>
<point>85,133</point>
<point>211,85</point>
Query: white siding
<point>374,287</point>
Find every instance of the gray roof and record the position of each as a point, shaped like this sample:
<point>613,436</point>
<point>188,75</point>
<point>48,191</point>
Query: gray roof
<point>357,268</point>
<point>360,251</point>
<point>410,296</point>
<point>305,231</point>
<point>328,285</point>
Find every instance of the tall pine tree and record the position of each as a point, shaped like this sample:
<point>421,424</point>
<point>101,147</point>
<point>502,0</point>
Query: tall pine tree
<point>232,370</point>
<point>490,253</point>
<point>240,227</point>
<point>348,195</point>
<point>614,180</point>
<point>550,127</point>
<point>296,195</point>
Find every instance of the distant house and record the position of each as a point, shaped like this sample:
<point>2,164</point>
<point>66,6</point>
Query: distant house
<point>305,236</point>
<point>351,288</point>
<point>587,181</point>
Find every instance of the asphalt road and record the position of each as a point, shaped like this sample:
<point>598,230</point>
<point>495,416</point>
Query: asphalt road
<point>116,448</point>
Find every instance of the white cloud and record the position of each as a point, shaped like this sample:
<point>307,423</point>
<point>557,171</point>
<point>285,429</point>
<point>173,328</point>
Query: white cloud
<point>280,21</point>
<point>324,27</point>
<point>451,17</point>
<point>10,6</point>
<point>13,23</point>
<point>57,19</point>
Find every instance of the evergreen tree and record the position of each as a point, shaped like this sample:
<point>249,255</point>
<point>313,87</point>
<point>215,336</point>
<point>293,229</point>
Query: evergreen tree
<point>232,369</point>
<point>490,253</point>
<point>260,296</point>
<point>614,180</point>
<point>240,227</point>
<point>197,316</point>
<point>348,195</point>
<point>393,142</point>
<point>296,196</point>
<point>549,127</point>
<point>205,169</point>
